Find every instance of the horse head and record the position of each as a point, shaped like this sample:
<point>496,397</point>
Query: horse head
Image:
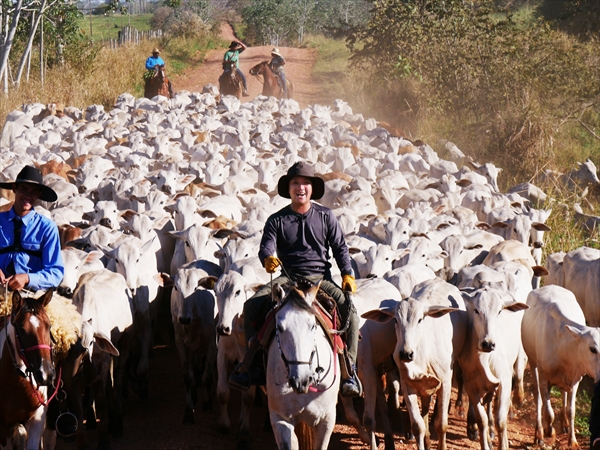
<point>296,329</point>
<point>30,337</point>
<point>259,69</point>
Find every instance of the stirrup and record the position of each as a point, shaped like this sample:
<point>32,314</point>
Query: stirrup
<point>239,380</point>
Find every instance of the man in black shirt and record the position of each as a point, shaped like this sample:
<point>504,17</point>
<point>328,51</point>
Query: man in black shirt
<point>298,238</point>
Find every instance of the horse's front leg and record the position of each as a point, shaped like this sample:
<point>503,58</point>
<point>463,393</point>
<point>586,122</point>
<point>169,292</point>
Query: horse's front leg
<point>284,433</point>
<point>36,425</point>
<point>323,432</point>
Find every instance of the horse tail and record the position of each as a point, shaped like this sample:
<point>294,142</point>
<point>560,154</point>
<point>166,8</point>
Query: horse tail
<point>306,436</point>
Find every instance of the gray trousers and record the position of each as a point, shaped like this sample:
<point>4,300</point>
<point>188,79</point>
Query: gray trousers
<point>257,307</point>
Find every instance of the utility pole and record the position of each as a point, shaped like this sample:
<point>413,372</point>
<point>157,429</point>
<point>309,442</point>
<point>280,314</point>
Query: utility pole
<point>91,9</point>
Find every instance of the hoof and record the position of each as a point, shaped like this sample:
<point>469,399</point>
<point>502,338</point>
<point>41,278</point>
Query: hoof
<point>473,434</point>
<point>188,418</point>
<point>549,432</point>
<point>389,443</point>
<point>409,436</point>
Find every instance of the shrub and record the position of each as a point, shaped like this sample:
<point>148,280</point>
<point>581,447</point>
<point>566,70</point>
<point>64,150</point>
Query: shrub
<point>161,17</point>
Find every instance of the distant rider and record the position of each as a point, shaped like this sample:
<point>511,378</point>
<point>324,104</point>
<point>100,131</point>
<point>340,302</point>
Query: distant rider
<point>154,60</point>
<point>233,55</point>
<point>277,62</point>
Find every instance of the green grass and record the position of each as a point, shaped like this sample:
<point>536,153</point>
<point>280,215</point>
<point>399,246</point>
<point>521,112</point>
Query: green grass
<point>108,26</point>
<point>583,404</point>
<point>332,55</point>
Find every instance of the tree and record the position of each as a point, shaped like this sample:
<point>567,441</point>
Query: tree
<point>578,17</point>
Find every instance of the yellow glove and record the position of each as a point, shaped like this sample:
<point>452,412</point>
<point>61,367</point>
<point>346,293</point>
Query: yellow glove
<point>272,263</point>
<point>349,284</point>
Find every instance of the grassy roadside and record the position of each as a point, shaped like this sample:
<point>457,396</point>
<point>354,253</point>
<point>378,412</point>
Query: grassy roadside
<point>108,26</point>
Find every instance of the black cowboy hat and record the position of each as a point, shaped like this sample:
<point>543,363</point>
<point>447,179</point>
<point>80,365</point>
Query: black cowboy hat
<point>32,175</point>
<point>301,169</point>
<point>233,44</point>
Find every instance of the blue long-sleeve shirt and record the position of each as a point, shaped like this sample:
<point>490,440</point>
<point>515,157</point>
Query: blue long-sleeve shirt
<point>154,61</point>
<point>39,234</point>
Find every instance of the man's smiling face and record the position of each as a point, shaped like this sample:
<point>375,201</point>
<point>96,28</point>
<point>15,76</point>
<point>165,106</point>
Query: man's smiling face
<point>300,192</point>
<point>26,194</point>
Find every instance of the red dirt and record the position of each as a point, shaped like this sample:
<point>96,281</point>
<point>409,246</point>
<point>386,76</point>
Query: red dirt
<point>298,68</point>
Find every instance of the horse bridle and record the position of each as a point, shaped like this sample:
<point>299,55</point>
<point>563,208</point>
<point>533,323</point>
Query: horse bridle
<point>320,371</point>
<point>22,351</point>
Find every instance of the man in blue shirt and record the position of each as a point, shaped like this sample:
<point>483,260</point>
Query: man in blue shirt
<point>154,60</point>
<point>30,254</point>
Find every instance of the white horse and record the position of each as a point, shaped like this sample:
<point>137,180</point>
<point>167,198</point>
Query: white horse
<point>303,374</point>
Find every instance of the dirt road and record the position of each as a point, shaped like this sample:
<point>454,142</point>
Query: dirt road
<point>298,68</point>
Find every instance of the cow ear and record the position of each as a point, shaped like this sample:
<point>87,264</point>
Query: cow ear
<point>464,183</point>
<point>540,271</point>
<point>93,256</point>
<point>208,282</point>
<point>500,225</point>
<point>163,279</point>
<point>439,311</point>
<point>474,247</point>
<point>515,306</point>
<point>574,331</point>
<point>483,226</point>
<point>474,165</point>
<point>87,333</point>
<point>147,246</point>
<point>109,252</point>
<point>177,234</point>
<point>354,250</point>
<point>540,226</point>
<point>87,216</point>
<point>160,223</point>
<point>381,315</point>
<point>103,343</point>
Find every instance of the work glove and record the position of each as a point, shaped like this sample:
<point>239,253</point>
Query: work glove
<point>349,284</point>
<point>272,263</point>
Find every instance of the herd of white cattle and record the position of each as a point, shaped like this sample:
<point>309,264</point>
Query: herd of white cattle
<point>175,192</point>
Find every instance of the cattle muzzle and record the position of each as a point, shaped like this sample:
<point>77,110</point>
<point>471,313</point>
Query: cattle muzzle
<point>223,330</point>
<point>406,356</point>
<point>66,292</point>
<point>105,222</point>
<point>538,244</point>
<point>488,346</point>
<point>82,189</point>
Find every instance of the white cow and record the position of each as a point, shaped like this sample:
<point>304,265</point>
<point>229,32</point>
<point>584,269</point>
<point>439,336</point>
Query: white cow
<point>581,268</point>
<point>232,290</point>
<point>561,350</point>
<point>104,300</point>
<point>428,342</point>
<point>489,355</point>
<point>193,312</point>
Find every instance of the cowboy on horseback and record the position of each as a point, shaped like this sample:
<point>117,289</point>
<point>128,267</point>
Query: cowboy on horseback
<point>152,63</point>
<point>277,62</point>
<point>298,238</point>
<point>233,55</point>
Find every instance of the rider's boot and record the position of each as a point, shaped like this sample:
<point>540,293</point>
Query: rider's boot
<point>250,371</point>
<point>245,93</point>
<point>352,387</point>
